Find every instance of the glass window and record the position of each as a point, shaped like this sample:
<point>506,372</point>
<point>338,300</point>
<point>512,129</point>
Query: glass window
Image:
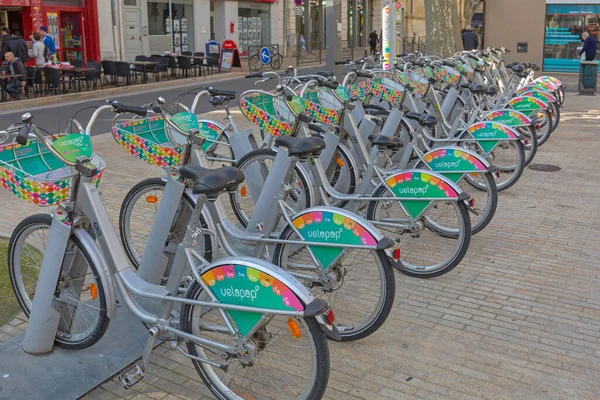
<point>254,27</point>
<point>182,26</point>
<point>130,3</point>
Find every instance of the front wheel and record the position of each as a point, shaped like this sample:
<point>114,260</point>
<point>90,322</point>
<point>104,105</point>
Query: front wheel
<point>277,61</point>
<point>79,295</point>
<point>360,287</point>
<point>431,244</point>
<point>287,363</point>
<point>255,63</point>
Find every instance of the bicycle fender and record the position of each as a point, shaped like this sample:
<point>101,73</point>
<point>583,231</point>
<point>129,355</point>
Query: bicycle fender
<point>453,162</point>
<point>105,275</point>
<point>254,283</point>
<point>491,133</point>
<point>556,82</point>
<point>541,85</point>
<point>511,118</point>
<point>523,103</point>
<point>540,95</point>
<point>416,189</point>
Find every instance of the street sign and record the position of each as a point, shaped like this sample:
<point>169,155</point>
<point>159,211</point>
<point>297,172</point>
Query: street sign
<point>298,2</point>
<point>299,10</point>
<point>265,55</point>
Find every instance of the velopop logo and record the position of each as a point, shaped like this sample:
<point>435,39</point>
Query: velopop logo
<point>71,142</point>
<point>326,234</point>
<point>412,190</point>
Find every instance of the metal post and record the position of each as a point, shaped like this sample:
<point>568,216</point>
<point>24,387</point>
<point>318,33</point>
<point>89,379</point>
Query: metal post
<point>388,39</point>
<point>307,23</point>
<point>355,25</point>
<point>322,29</point>
<point>334,34</point>
<point>171,19</point>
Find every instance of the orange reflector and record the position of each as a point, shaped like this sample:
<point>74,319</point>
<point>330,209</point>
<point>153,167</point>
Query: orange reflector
<point>93,291</point>
<point>340,162</point>
<point>151,199</point>
<point>498,173</point>
<point>329,317</point>
<point>396,254</point>
<point>472,202</point>
<point>294,328</point>
<point>244,191</point>
<point>474,174</point>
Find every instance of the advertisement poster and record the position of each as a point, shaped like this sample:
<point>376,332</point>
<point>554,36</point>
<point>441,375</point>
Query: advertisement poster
<point>184,25</point>
<point>184,38</point>
<point>168,25</point>
<point>176,25</point>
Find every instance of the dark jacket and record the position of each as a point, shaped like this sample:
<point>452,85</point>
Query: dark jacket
<point>4,46</point>
<point>17,67</point>
<point>470,40</point>
<point>373,39</point>
<point>590,46</point>
<point>18,47</point>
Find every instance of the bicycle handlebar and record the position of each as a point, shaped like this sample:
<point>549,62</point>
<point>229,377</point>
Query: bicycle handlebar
<point>23,135</point>
<point>254,75</point>
<point>123,108</point>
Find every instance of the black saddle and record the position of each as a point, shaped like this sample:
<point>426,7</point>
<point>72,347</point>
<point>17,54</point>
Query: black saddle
<point>477,89</point>
<point>219,100</point>
<point>212,182</point>
<point>301,147</point>
<point>229,94</point>
<point>326,74</point>
<point>386,142</point>
<point>466,85</point>
<point>491,90</point>
<point>414,116</point>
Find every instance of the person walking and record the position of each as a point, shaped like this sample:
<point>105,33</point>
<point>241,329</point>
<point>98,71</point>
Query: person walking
<point>39,50</point>
<point>14,86</point>
<point>469,39</point>
<point>373,42</point>
<point>590,46</point>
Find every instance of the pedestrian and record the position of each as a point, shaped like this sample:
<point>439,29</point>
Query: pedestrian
<point>48,41</point>
<point>590,46</point>
<point>39,50</point>
<point>5,38</point>
<point>18,47</point>
<point>469,39</point>
<point>14,86</point>
<point>373,42</point>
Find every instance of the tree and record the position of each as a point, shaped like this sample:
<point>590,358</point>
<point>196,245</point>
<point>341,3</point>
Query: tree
<point>443,27</point>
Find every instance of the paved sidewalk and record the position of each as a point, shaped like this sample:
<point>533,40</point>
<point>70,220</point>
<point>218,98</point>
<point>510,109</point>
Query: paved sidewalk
<point>518,319</point>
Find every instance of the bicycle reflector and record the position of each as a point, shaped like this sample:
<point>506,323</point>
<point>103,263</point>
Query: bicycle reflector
<point>329,316</point>
<point>472,202</point>
<point>397,254</point>
<point>151,199</point>
<point>498,174</point>
<point>244,191</point>
<point>294,328</point>
<point>93,291</point>
<point>340,162</point>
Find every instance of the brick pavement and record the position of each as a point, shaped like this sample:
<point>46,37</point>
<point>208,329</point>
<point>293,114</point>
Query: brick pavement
<point>518,319</point>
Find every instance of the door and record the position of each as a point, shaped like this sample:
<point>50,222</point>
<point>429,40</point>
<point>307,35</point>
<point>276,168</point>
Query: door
<point>132,33</point>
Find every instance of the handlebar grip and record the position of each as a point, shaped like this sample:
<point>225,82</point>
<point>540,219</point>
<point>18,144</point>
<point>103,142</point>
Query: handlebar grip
<point>343,62</point>
<point>23,136</point>
<point>255,75</point>
<point>363,73</point>
<point>328,84</point>
<point>219,92</point>
<point>141,111</point>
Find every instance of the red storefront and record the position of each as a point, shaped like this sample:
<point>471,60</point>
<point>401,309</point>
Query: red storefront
<point>73,24</point>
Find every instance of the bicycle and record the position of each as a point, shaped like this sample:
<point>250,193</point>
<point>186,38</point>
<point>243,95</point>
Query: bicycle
<point>276,61</point>
<point>233,314</point>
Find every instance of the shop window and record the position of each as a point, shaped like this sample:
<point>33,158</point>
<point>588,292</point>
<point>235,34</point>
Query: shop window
<point>182,27</point>
<point>132,3</point>
<point>254,24</point>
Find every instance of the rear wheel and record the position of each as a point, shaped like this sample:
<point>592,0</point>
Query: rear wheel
<point>255,63</point>
<point>79,295</point>
<point>276,61</point>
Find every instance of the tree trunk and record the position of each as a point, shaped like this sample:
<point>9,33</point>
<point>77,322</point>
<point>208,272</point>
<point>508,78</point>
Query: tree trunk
<point>443,29</point>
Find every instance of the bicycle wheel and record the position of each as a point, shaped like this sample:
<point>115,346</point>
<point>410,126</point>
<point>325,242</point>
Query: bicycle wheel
<point>255,63</point>
<point>276,61</point>
<point>79,297</point>
<point>430,245</point>
<point>137,215</point>
<point>508,157</point>
<point>543,126</point>
<point>365,285</point>
<point>485,197</point>
<point>555,111</point>
<point>256,166</point>
<point>286,366</point>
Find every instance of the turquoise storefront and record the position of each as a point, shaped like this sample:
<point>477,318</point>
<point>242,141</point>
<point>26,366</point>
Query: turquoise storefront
<point>564,25</point>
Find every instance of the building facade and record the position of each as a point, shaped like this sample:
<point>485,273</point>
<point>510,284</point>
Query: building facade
<point>73,24</point>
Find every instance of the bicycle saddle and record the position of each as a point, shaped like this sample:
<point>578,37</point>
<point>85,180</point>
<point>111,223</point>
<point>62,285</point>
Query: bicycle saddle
<point>517,68</point>
<point>428,120</point>
<point>219,100</point>
<point>491,90</point>
<point>414,116</point>
<point>301,147</point>
<point>211,182</point>
<point>477,88</point>
<point>325,74</point>
<point>386,142</point>
<point>228,94</point>
<point>466,85</point>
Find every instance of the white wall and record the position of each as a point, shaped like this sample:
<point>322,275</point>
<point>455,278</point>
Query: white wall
<point>107,37</point>
<point>226,11</point>
<point>201,23</point>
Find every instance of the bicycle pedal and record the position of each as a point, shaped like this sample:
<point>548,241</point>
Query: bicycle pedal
<point>132,376</point>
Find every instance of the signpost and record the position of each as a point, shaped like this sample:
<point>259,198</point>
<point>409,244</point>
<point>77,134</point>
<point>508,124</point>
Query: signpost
<point>298,11</point>
<point>265,55</point>
<point>333,38</point>
<point>229,57</point>
<point>388,36</point>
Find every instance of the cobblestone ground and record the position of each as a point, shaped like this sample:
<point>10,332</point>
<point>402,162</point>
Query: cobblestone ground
<point>518,319</point>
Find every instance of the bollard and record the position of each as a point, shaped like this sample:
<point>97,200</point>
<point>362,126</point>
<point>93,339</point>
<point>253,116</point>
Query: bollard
<point>588,77</point>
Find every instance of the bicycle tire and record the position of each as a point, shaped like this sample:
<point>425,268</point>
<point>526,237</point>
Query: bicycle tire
<point>255,63</point>
<point>247,159</point>
<point>361,329</point>
<point>130,200</point>
<point>317,343</point>
<point>543,130</point>
<point>15,246</point>
<point>442,267</point>
<point>555,116</point>
<point>276,61</point>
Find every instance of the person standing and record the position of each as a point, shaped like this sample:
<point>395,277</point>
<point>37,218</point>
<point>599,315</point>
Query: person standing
<point>15,67</point>
<point>590,46</point>
<point>47,40</point>
<point>18,47</point>
<point>373,42</point>
<point>39,50</point>
<point>469,39</point>
<point>5,39</point>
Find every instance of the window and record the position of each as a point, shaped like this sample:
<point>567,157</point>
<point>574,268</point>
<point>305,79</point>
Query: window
<point>130,3</point>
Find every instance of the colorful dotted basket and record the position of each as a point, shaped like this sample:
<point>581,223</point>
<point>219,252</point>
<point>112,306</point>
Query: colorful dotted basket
<point>35,175</point>
<point>265,111</point>
<point>147,140</point>
<point>359,90</point>
<point>321,106</point>
<point>387,90</point>
<point>447,74</point>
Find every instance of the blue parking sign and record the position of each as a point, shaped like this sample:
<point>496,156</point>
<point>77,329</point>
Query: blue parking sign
<point>265,55</point>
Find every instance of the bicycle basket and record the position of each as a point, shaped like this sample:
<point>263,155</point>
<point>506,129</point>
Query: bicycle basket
<point>447,74</point>
<point>268,112</point>
<point>359,90</point>
<point>147,140</point>
<point>387,90</point>
<point>322,106</point>
<point>419,84</point>
<point>35,175</point>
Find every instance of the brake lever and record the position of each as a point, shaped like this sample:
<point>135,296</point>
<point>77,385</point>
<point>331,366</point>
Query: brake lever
<point>262,80</point>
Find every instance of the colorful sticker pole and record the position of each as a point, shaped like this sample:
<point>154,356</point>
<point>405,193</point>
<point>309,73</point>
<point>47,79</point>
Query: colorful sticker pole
<point>388,35</point>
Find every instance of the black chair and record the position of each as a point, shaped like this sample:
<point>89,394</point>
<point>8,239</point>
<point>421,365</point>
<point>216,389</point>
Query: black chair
<point>139,69</point>
<point>34,81</point>
<point>124,71</point>
<point>173,65</point>
<point>186,53</point>
<point>212,62</point>
<point>153,68</point>
<point>93,76</point>
<point>185,65</point>
<point>53,80</point>
<point>163,66</point>
<point>199,63</point>
<point>76,63</point>
<point>110,70</point>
